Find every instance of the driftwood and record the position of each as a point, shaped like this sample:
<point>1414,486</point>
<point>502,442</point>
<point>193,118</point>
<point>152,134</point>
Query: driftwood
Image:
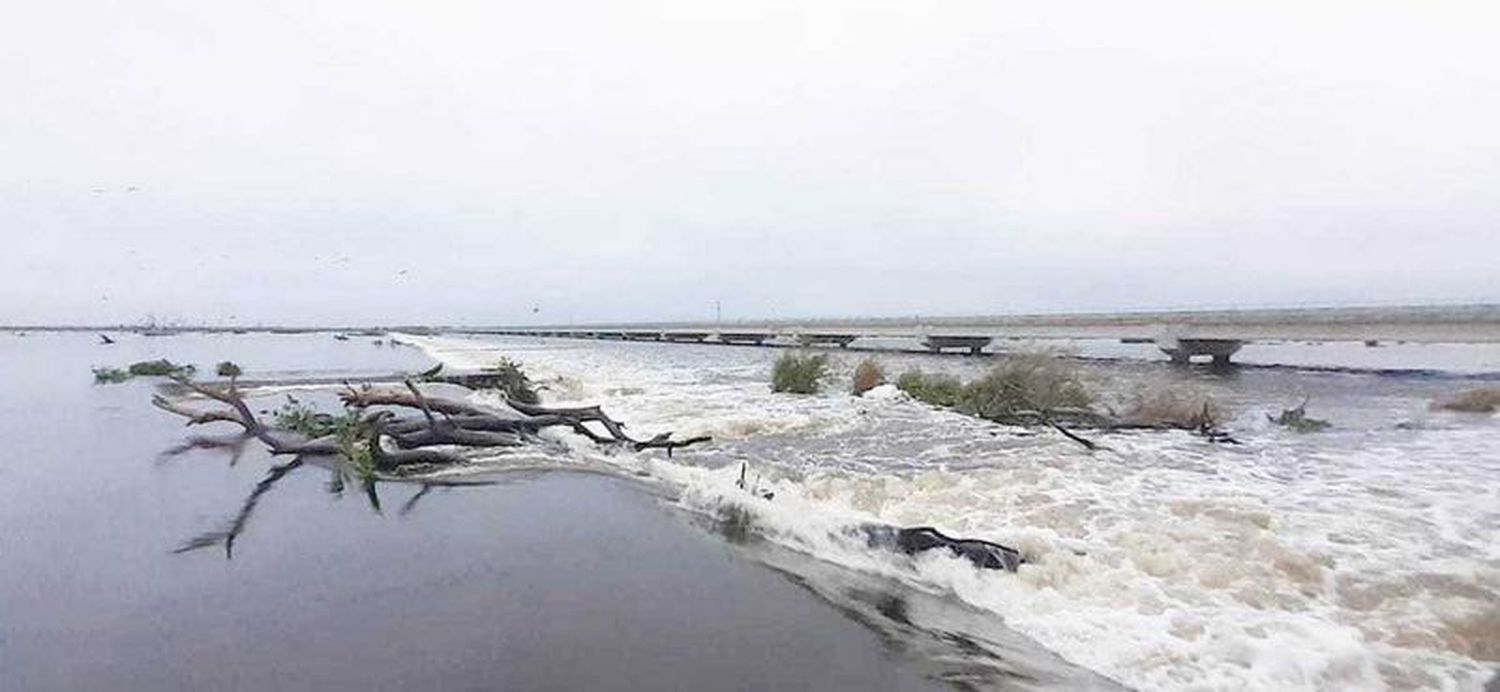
<point>421,441</point>
<point>1087,443</point>
<point>1032,415</point>
<point>920,539</point>
<point>1201,424</point>
<point>462,416</point>
<point>278,440</point>
<point>427,440</point>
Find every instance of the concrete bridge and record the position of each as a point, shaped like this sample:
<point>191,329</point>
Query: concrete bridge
<point>1183,335</point>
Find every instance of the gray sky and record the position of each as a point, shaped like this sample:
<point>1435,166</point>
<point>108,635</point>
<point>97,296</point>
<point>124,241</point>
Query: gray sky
<point>435,161</point>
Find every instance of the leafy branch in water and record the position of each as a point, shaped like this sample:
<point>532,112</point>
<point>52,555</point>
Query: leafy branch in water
<point>145,368</point>
<point>799,374</point>
<point>161,368</point>
<point>510,379</point>
<point>1024,390</point>
<point>312,423</point>
<point>933,389</point>
<point>228,369</point>
<point>1036,382</point>
<point>357,453</point>
<point>110,375</point>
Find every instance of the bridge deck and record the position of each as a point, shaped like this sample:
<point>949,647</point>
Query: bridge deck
<point>1455,324</point>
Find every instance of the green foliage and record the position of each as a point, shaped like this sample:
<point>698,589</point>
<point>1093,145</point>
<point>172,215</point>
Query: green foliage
<point>302,418</point>
<point>510,379</point>
<point>1482,400</point>
<point>228,369</point>
<point>357,453</point>
<point>868,375</point>
<point>799,374</point>
<point>110,375</point>
<point>160,368</point>
<point>145,368</point>
<point>1032,382</point>
<point>1027,383</point>
<point>934,389</point>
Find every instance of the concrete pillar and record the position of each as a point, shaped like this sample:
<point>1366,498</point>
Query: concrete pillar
<point>973,344</point>
<point>1220,350</point>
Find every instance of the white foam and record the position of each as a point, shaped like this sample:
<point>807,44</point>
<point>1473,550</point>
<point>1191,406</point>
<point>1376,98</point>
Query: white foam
<point>1165,563</point>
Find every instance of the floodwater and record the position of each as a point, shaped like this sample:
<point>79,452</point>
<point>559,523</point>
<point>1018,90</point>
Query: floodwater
<point>1363,557</point>
<point>558,574</point>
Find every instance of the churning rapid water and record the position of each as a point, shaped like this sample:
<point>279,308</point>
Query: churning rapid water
<point>1364,557</point>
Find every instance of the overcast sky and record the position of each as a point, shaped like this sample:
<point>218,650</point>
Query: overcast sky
<point>441,162</point>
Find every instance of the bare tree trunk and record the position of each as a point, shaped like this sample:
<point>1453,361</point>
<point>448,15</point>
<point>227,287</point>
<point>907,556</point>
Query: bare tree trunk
<point>443,423</point>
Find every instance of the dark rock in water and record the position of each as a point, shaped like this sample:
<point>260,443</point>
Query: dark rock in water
<point>920,539</point>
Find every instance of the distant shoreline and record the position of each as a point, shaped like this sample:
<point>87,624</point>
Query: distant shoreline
<point>1405,372</point>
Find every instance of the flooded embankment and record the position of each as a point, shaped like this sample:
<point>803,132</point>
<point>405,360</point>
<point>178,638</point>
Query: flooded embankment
<point>1361,557</point>
<point>576,576</point>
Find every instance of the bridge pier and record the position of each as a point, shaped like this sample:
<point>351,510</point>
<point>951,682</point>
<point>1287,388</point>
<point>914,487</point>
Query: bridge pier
<point>1183,350</point>
<point>753,338</point>
<point>840,340</point>
<point>974,344</point>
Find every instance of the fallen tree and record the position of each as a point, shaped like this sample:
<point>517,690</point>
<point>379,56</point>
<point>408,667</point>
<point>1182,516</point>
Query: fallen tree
<point>399,444</point>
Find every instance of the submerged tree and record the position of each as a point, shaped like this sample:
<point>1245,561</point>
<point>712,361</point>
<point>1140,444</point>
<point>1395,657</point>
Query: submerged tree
<point>868,375</point>
<point>369,441</point>
<point>429,440</point>
<point>799,374</point>
<point>228,369</point>
<point>144,368</point>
